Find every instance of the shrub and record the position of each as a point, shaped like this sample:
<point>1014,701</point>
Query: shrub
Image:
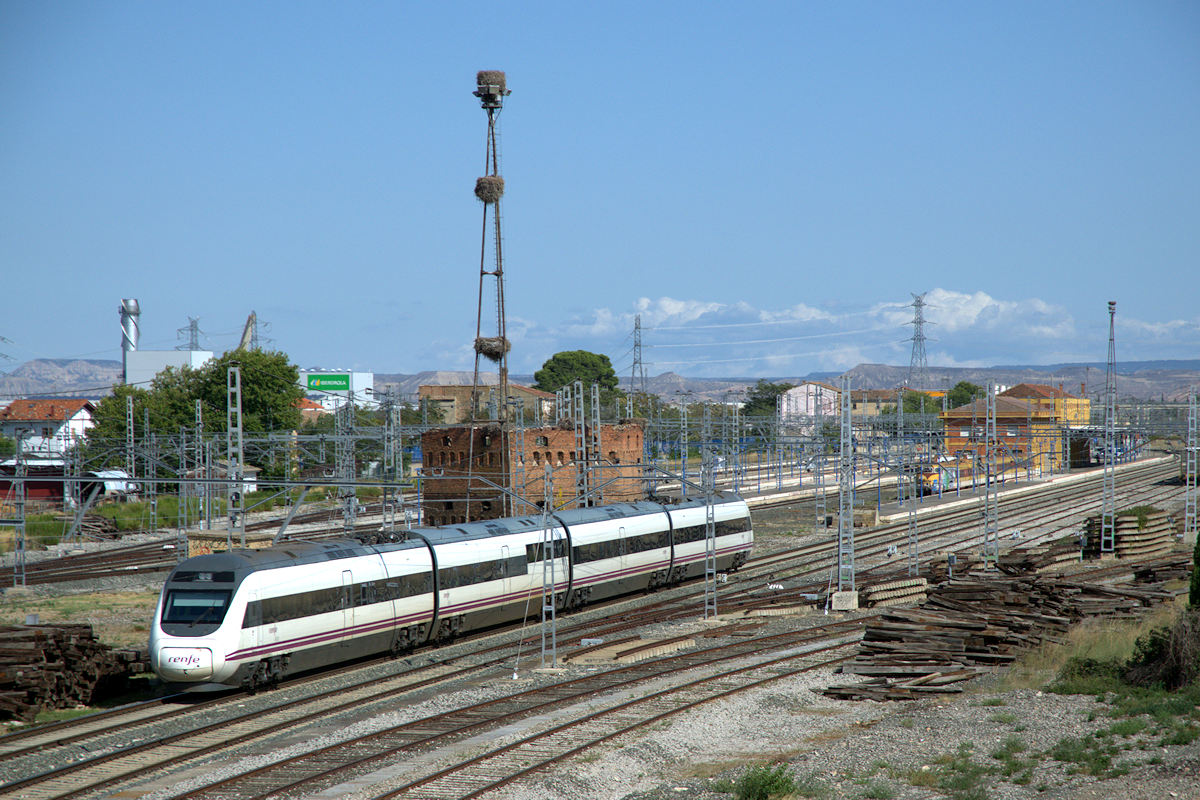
<point>1088,676</point>
<point>1169,656</point>
<point>764,782</point>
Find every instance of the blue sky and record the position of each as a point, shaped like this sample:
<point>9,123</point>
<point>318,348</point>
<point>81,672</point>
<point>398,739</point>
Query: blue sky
<point>765,183</point>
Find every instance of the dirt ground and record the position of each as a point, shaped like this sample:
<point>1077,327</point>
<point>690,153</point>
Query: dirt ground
<point>120,619</point>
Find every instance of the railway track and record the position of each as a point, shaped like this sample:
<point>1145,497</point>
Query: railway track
<point>322,768</point>
<point>113,562</point>
<point>803,569</point>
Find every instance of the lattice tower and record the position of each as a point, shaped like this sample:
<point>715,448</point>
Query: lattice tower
<point>491,89</point>
<point>637,373</point>
<point>1108,512</point>
<point>192,331</point>
<point>845,562</point>
<point>551,547</point>
<point>991,516</point>
<point>1190,474</point>
<point>918,367</point>
<point>344,463</point>
<point>708,484</point>
<point>234,449</point>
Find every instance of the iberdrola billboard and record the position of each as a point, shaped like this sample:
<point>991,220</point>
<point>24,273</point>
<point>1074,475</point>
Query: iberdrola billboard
<point>329,382</point>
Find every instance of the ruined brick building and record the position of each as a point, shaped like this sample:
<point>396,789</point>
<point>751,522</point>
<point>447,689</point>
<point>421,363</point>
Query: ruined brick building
<point>516,459</point>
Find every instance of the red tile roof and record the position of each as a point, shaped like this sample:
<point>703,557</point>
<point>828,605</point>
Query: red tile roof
<point>1034,391</point>
<point>304,404</point>
<point>1005,407</point>
<point>61,409</point>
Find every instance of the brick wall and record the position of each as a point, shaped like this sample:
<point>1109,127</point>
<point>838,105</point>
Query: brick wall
<point>519,463</point>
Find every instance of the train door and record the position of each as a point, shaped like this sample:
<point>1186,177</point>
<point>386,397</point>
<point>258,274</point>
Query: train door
<point>253,620</point>
<point>622,543</point>
<point>505,574</point>
<point>347,603</point>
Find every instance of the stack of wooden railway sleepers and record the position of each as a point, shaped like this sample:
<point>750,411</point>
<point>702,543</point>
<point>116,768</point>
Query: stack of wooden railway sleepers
<point>93,526</point>
<point>1137,534</point>
<point>977,624</point>
<point>946,565</point>
<point>58,666</point>
<point>1045,557</point>
<point>902,592</point>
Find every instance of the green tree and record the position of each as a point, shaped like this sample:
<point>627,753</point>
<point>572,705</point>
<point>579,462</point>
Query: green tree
<point>917,403</point>
<point>572,365</point>
<point>963,393</point>
<point>7,447</point>
<point>761,399</point>
<point>270,390</point>
<point>563,369</point>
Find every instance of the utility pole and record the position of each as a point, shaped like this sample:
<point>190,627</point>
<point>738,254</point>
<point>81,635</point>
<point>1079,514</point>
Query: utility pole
<point>17,520</point>
<point>234,465</point>
<point>491,89</point>
<point>551,544</point>
<point>130,462</point>
<point>845,564</point>
<point>991,498</point>
<point>202,493</point>
<point>344,454</point>
<point>708,483</point>
<point>1190,472</point>
<point>1108,513</point>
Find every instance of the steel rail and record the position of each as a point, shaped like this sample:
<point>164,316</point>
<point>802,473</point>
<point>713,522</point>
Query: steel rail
<point>337,759</point>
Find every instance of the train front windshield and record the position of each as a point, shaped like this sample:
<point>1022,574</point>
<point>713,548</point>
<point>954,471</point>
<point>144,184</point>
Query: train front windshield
<point>193,606</point>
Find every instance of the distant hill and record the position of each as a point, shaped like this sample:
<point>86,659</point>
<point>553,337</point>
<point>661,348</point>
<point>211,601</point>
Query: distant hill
<point>1144,380</point>
<point>1140,380</point>
<point>85,376</point>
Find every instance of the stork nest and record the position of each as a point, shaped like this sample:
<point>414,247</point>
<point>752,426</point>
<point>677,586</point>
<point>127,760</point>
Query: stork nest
<point>493,348</point>
<point>491,77</point>
<point>489,188</point>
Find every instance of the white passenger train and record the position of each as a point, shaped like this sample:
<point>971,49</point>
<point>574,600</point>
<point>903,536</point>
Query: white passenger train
<point>250,617</point>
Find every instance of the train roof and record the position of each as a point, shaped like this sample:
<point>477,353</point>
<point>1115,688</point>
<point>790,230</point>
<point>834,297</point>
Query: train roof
<point>471,531</point>
<point>287,554</point>
<point>718,497</point>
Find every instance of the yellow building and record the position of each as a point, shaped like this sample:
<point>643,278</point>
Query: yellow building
<point>1065,409</point>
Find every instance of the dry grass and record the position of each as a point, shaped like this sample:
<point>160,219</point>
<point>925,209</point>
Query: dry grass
<point>1101,640</point>
<point>120,619</point>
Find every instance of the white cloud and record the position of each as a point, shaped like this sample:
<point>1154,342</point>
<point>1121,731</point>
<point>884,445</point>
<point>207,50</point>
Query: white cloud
<point>797,313</point>
<point>1174,328</point>
<point>669,311</point>
<point>706,337</point>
